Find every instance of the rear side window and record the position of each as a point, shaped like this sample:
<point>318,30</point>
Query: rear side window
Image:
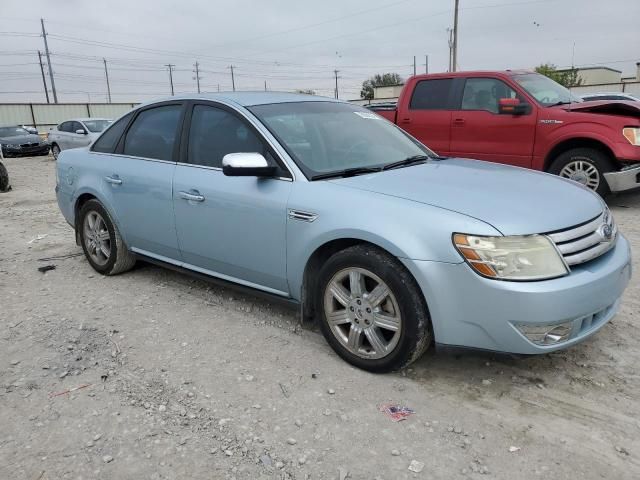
<point>153,133</point>
<point>109,139</point>
<point>215,132</point>
<point>431,94</point>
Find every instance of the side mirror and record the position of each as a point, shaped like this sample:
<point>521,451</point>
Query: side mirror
<point>247,165</point>
<point>512,106</point>
<point>81,131</point>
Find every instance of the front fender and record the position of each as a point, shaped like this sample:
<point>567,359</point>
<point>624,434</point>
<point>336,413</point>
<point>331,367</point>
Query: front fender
<point>404,228</point>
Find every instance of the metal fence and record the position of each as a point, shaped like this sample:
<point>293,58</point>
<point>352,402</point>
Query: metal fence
<point>627,87</point>
<point>45,115</point>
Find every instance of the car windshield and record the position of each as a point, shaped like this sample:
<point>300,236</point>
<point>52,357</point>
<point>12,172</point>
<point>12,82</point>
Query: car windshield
<point>324,137</point>
<point>12,131</point>
<point>544,90</point>
<point>97,125</point>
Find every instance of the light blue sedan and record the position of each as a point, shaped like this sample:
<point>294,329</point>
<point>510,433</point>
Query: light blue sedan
<point>327,206</point>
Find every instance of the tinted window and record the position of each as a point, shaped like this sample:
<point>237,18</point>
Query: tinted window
<point>484,93</point>
<point>75,126</point>
<point>65,126</point>
<point>109,139</point>
<point>153,133</point>
<point>431,95</point>
<point>97,125</point>
<point>215,132</point>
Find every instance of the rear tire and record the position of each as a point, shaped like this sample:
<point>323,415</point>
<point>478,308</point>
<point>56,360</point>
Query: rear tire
<point>55,150</point>
<point>101,241</point>
<point>586,166</point>
<point>5,186</point>
<point>371,329</point>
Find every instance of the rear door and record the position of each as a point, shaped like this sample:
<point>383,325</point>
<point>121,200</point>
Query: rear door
<point>137,179</point>
<point>479,131</point>
<point>230,227</point>
<point>428,114</point>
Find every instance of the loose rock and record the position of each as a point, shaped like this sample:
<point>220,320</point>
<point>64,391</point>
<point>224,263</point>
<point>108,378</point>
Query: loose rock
<point>416,466</point>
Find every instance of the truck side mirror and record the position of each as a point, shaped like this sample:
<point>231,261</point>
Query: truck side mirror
<point>512,106</point>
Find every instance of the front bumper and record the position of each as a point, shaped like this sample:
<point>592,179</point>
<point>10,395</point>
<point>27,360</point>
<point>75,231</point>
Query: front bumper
<point>625,179</point>
<point>471,311</point>
<point>42,149</point>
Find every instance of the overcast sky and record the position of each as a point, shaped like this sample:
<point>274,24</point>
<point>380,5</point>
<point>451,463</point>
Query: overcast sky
<point>293,44</point>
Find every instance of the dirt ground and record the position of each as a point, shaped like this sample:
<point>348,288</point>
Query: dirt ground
<point>173,378</point>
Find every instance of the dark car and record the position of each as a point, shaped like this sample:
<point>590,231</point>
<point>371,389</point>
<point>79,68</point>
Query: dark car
<point>17,142</point>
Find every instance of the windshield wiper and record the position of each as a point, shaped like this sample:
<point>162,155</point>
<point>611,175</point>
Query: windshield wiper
<point>347,172</point>
<point>561,102</point>
<point>414,160</point>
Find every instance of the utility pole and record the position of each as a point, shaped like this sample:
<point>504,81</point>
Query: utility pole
<point>197,71</point>
<point>44,81</point>
<point>426,64</point>
<point>171,67</point>
<point>106,74</point>
<point>450,33</point>
<point>265,85</point>
<point>454,60</point>
<point>46,52</point>
<point>233,80</point>
<point>414,65</point>
<point>336,74</point>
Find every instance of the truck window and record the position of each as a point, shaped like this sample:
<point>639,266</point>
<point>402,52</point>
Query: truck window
<point>484,93</point>
<point>431,94</point>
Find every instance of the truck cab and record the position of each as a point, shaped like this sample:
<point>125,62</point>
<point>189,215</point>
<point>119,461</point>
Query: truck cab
<point>524,119</point>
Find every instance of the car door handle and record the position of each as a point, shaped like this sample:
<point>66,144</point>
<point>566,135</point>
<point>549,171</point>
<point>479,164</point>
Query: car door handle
<point>114,180</point>
<point>405,120</point>
<point>459,122</point>
<point>194,196</point>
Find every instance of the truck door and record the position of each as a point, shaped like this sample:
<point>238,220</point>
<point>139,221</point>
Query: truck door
<point>427,116</point>
<point>479,131</point>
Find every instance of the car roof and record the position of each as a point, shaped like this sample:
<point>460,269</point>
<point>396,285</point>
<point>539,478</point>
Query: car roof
<point>471,73</point>
<point>249,98</point>
<point>86,119</point>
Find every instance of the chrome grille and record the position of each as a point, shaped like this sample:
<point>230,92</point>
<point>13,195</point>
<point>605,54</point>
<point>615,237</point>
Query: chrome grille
<point>586,241</point>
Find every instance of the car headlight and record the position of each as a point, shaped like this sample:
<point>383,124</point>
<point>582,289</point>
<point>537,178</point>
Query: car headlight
<point>632,134</point>
<point>11,145</point>
<point>522,257</point>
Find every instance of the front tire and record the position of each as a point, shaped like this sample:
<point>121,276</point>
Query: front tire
<point>55,150</point>
<point>586,166</point>
<point>372,312</point>
<point>101,241</point>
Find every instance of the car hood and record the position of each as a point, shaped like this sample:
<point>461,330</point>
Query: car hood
<point>26,138</point>
<point>627,108</point>
<point>515,201</point>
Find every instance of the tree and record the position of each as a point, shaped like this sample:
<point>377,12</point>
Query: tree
<point>384,80</point>
<point>568,78</point>
<point>306,92</point>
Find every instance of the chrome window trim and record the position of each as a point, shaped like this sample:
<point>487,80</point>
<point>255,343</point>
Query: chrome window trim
<point>206,167</point>
<point>146,159</point>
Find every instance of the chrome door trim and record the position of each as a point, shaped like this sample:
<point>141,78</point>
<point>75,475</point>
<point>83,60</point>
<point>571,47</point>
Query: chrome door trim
<point>218,169</point>
<point>132,157</point>
<point>211,273</point>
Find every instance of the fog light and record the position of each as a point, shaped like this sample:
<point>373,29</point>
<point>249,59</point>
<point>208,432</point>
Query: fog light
<point>547,334</point>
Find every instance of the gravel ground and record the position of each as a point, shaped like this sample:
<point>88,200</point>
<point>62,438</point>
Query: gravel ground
<point>170,377</point>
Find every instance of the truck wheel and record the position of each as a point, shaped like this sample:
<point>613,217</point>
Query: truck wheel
<point>372,312</point>
<point>586,166</point>
<point>4,179</point>
<point>101,241</point>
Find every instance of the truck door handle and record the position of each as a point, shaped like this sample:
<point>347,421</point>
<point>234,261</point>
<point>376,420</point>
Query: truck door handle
<point>194,196</point>
<point>405,120</point>
<point>459,122</point>
<point>114,180</point>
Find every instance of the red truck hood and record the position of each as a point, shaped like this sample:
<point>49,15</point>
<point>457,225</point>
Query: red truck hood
<point>627,108</point>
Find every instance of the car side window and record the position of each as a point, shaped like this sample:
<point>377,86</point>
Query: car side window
<point>64,127</point>
<point>153,133</point>
<point>484,93</point>
<point>215,132</point>
<point>75,126</point>
<point>109,139</point>
<point>431,94</point>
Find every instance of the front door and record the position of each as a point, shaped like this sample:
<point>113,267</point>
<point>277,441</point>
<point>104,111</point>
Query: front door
<point>479,131</point>
<point>428,116</point>
<point>137,181</point>
<point>230,227</point>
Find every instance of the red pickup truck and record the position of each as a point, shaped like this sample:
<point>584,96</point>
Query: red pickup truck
<point>524,119</point>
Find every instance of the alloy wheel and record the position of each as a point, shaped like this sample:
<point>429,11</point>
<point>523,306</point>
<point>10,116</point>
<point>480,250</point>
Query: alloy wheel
<point>97,239</point>
<point>581,170</point>
<point>362,313</point>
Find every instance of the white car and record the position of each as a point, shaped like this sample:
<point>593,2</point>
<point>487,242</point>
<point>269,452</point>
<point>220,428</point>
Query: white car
<point>79,132</point>
<point>610,96</point>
